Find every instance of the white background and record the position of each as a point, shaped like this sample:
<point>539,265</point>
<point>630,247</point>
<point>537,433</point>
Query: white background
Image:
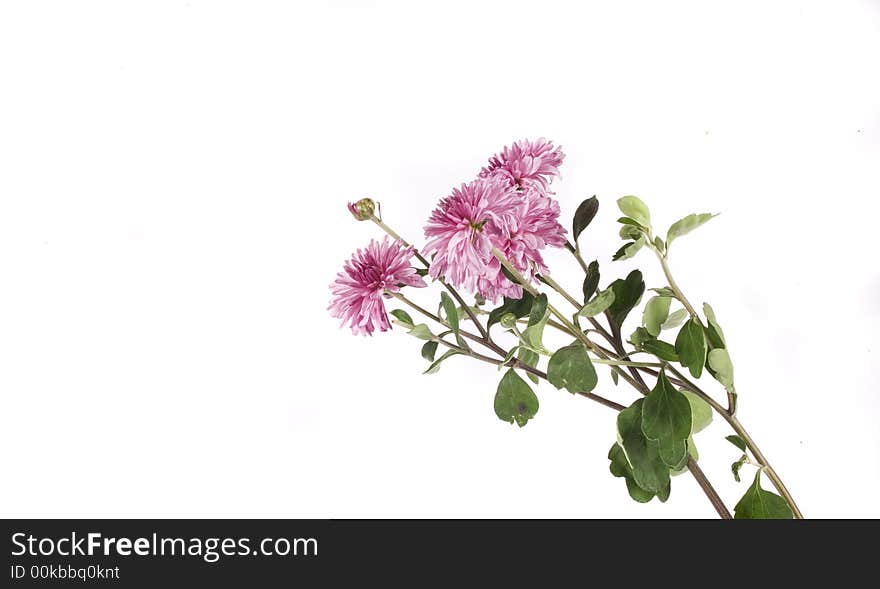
<point>173,180</point>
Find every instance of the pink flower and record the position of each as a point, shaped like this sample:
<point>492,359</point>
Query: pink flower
<point>460,235</point>
<point>490,213</point>
<point>358,290</point>
<point>526,164</point>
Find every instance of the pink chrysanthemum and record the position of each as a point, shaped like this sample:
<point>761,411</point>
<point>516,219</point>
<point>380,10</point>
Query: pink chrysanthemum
<point>461,233</point>
<point>358,290</point>
<point>531,226</point>
<point>526,164</point>
<point>484,214</point>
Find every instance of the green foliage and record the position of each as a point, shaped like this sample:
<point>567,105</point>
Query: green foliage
<point>508,357</point>
<point>629,249</point>
<point>534,332</point>
<point>515,402</point>
<point>737,441</point>
<point>643,455</point>
<point>630,232</point>
<point>591,280</point>
<point>675,319</point>
<point>655,313</point>
<point>690,345</point>
<point>402,317</point>
<point>583,216</point>
<point>429,350</point>
<point>421,331</point>
<point>737,466</point>
<point>661,349</point>
<point>435,366</point>
<point>627,294</point>
<point>529,358</point>
<point>599,304</point>
<point>716,336</point>
<point>685,226</point>
<point>760,504</point>
<point>518,307</point>
<point>664,291</point>
<point>701,412</point>
<point>620,468</point>
<point>722,369</point>
<point>635,209</point>
<point>666,418</point>
<point>450,310</point>
<point>571,368</point>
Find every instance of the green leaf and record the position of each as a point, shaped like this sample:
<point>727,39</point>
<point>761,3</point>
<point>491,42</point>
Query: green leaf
<point>429,350</point>
<point>664,291</point>
<point>534,332</point>
<point>599,304</point>
<point>675,319</point>
<point>629,249</point>
<point>514,400</point>
<point>628,221</point>
<point>529,358</point>
<point>656,312</point>
<point>692,452</point>
<point>518,307</point>
<point>421,331</point>
<point>620,468</point>
<point>571,368</point>
<point>690,345</point>
<point>642,454</point>
<point>583,216</point>
<point>760,504</point>
<point>737,441</point>
<point>716,336</point>
<point>685,226</point>
<point>508,357</point>
<point>661,349</point>
<point>509,275</point>
<point>436,365</point>
<point>403,317</point>
<point>630,232</point>
<point>737,466</point>
<point>635,209</point>
<point>719,362</point>
<point>627,294</point>
<point>450,310</point>
<point>666,417</point>
<point>701,412</point>
<point>591,281</point>
<point>538,312</point>
<point>658,243</point>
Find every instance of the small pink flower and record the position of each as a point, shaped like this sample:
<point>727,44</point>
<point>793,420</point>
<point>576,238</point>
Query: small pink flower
<point>526,164</point>
<point>358,290</point>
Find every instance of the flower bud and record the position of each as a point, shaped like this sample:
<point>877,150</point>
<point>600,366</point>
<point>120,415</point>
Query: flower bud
<point>363,209</point>
<point>508,320</point>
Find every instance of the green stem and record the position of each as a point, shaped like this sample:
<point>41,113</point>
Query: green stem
<point>672,284</point>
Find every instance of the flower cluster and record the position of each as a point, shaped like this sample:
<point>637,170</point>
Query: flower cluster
<point>508,208</point>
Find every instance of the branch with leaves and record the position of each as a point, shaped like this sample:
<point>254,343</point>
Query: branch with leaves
<point>485,239</point>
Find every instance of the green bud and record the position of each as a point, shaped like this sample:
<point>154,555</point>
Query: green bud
<point>363,209</point>
<point>508,320</point>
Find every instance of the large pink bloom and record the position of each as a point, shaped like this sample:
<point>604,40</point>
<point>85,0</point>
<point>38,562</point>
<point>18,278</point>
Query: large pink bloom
<point>358,290</point>
<point>490,212</point>
<point>526,164</point>
<point>461,233</point>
